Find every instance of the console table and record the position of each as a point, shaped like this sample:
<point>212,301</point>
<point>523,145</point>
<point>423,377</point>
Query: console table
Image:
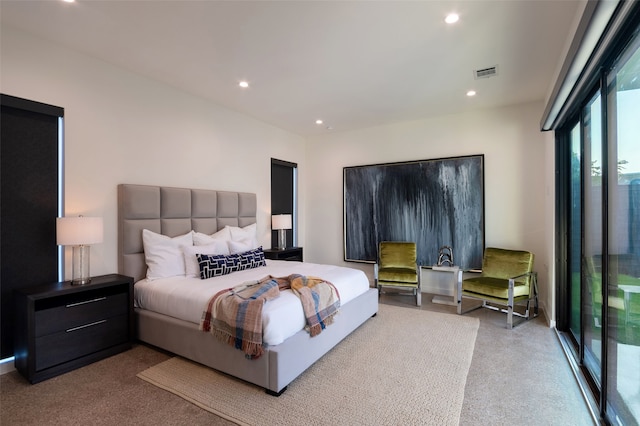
<point>441,281</point>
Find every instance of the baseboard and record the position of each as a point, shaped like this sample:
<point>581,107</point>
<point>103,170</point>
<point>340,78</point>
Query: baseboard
<point>550,322</point>
<point>6,366</point>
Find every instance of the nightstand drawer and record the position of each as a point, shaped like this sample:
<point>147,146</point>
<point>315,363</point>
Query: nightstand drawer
<point>77,311</point>
<point>78,341</point>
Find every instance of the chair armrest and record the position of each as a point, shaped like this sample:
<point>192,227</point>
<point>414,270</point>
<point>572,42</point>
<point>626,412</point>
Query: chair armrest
<point>523,275</point>
<point>472,270</point>
<point>461,272</point>
<point>533,284</point>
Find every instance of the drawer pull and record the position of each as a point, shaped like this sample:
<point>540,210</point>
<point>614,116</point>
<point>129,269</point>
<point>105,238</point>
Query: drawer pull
<point>86,325</point>
<point>71,305</point>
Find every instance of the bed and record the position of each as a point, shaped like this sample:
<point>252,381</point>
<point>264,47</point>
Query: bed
<point>177,211</point>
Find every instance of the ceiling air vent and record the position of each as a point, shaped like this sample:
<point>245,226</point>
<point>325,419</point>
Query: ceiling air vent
<point>485,72</point>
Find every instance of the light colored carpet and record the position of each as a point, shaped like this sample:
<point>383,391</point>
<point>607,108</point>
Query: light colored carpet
<point>402,367</point>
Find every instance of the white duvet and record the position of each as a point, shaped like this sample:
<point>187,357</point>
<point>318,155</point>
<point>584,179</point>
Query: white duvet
<point>186,298</point>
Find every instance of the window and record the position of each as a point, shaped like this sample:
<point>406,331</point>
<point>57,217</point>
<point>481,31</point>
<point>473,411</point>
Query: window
<point>283,197</point>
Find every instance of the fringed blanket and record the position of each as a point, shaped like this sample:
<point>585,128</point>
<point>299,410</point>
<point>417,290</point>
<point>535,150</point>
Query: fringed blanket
<point>235,315</point>
<point>320,301</point>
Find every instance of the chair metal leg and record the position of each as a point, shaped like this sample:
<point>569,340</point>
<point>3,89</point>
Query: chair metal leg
<point>459,292</point>
<point>419,289</point>
<point>535,294</point>
<point>510,304</point>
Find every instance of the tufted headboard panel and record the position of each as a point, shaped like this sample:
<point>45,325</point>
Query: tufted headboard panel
<point>173,211</point>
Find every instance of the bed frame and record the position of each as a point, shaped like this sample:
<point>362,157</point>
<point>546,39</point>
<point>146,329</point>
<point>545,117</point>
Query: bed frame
<point>176,211</point>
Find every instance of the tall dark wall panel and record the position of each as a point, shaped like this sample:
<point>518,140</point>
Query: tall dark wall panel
<point>282,181</point>
<point>28,202</point>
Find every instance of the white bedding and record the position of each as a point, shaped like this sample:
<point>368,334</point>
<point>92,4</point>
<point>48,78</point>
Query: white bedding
<point>186,298</point>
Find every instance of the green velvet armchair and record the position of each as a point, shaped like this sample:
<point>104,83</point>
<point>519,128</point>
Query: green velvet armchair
<point>507,279</point>
<point>397,268</point>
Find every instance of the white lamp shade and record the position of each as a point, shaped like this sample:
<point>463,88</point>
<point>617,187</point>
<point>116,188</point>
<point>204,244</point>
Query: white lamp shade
<point>79,230</point>
<point>281,221</point>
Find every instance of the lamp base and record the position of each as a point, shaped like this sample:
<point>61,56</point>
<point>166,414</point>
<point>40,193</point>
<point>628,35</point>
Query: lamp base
<point>282,239</point>
<point>81,281</point>
<point>80,265</point>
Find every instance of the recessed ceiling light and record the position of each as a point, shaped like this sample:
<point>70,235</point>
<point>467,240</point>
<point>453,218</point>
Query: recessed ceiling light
<point>318,121</point>
<point>69,1</point>
<point>243,84</point>
<point>452,18</point>
<point>471,93</point>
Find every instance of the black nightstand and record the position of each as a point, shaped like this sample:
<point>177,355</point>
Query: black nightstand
<point>290,253</point>
<point>60,327</point>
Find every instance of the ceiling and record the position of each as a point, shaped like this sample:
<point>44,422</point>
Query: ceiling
<point>353,64</point>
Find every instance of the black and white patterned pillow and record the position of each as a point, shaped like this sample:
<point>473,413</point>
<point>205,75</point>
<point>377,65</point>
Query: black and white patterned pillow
<point>212,265</point>
<point>216,265</point>
<point>251,259</point>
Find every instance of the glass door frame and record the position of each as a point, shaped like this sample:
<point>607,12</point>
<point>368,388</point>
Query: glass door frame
<point>595,393</point>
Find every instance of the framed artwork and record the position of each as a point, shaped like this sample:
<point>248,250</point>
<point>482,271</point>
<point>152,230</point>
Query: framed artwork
<point>435,203</point>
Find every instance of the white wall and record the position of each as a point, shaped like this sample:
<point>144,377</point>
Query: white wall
<point>518,203</point>
<point>123,128</point>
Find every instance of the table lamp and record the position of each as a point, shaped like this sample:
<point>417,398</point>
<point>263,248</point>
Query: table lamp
<point>79,232</point>
<point>281,222</point>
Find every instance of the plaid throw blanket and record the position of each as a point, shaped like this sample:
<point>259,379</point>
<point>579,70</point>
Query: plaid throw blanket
<point>320,301</point>
<point>235,315</point>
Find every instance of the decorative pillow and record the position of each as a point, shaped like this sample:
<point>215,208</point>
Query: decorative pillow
<point>248,232</point>
<point>240,246</point>
<point>216,265</point>
<point>192,269</point>
<point>163,254</point>
<point>200,239</point>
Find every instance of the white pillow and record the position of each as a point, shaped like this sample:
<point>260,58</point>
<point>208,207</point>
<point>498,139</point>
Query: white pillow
<point>163,254</point>
<point>200,239</point>
<point>192,268</point>
<point>248,232</point>
<point>240,246</point>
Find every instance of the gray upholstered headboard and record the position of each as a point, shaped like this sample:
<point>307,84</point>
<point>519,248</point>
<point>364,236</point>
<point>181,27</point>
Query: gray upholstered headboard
<point>173,211</point>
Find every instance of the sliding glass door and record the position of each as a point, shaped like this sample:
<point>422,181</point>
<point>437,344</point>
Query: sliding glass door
<point>592,236</point>
<point>623,349</point>
<point>575,235</point>
<point>602,215</point>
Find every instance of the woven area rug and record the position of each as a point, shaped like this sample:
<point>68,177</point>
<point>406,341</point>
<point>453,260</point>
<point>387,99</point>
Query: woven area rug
<point>404,366</point>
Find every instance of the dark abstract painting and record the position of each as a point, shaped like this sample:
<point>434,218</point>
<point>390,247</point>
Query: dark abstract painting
<point>435,203</point>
